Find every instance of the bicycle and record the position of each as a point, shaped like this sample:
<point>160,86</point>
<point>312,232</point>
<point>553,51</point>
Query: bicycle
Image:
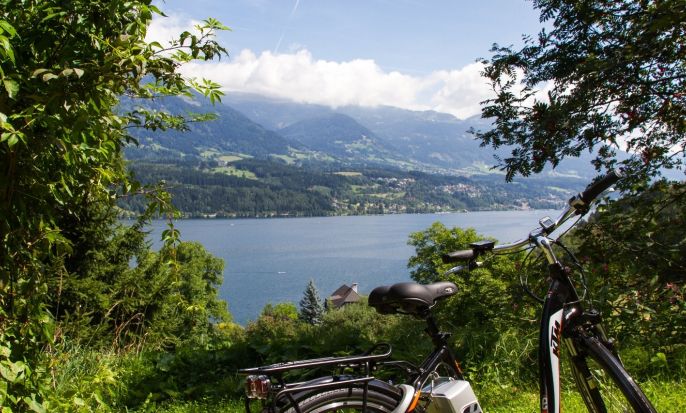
<point>438,384</point>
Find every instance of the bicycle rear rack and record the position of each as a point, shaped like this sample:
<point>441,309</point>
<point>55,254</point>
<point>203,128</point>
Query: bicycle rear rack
<point>365,362</point>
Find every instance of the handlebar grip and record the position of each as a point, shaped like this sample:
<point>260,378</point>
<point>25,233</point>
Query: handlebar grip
<point>597,187</point>
<point>457,256</point>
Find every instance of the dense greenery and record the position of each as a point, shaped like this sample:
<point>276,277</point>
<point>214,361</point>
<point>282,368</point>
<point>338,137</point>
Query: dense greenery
<point>639,293</point>
<point>252,187</point>
<point>616,77</point>
<point>635,256</point>
<point>101,300</point>
<point>494,325</point>
<point>63,68</point>
<point>493,322</point>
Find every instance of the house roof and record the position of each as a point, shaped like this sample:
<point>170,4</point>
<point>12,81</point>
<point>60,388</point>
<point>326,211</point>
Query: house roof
<point>344,295</point>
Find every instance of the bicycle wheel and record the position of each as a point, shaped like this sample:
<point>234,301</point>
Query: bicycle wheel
<point>349,399</point>
<point>604,384</point>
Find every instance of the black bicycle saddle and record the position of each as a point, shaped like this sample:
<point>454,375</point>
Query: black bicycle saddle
<point>409,297</point>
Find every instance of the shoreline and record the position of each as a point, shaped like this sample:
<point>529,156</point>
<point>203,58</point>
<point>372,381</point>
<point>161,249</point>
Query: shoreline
<point>208,217</point>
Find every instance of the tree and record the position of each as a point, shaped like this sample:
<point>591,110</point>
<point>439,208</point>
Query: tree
<point>636,269</point>
<point>272,336</point>
<point>311,308</point>
<point>490,315</point>
<point>63,68</point>
<point>615,74</point>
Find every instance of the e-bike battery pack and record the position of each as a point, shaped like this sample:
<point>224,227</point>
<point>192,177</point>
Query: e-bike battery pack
<point>453,396</point>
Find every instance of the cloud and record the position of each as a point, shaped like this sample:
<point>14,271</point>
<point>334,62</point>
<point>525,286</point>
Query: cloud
<point>461,90</point>
<point>165,29</point>
<point>297,75</point>
<point>300,77</point>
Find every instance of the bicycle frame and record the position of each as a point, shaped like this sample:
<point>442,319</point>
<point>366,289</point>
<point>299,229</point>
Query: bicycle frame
<point>418,376</point>
<point>442,354</point>
<point>561,309</point>
<point>283,390</point>
<point>563,320</point>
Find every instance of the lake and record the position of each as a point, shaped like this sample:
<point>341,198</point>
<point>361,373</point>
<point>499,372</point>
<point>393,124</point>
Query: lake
<point>272,260</point>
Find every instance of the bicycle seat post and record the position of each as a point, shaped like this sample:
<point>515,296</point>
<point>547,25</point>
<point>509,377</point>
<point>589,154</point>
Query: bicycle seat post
<point>437,337</point>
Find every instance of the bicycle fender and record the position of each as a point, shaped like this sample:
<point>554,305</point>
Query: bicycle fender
<point>408,395</point>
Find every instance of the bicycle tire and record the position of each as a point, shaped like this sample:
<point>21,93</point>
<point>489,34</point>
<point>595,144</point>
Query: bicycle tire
<point>597,371</point>
<point>380,400</point>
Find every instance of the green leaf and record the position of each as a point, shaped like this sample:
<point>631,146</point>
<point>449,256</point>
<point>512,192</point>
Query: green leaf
<point>53,15</point>
<point>7,371</point>
<point>4,41</point>
<point>11,87</point>
<point>34,405</point>
<point>10,137</point>
<point>49,76</point>
<point>38,72</point>
<point>157,10</point>
<point>98,398</point>
<point>8,28</point>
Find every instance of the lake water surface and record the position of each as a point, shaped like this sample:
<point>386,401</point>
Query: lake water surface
<point>272,260</point>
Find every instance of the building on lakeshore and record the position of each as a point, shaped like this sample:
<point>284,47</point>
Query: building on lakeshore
<point>344,295</point>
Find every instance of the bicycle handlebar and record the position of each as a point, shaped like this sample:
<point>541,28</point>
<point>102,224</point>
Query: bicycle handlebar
<point>596,188</point>
<point>456,256</point>
<point>578,204</point>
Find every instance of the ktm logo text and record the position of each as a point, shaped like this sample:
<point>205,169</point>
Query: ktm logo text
<point>555,338</point>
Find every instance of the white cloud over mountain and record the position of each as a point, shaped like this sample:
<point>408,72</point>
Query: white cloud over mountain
<point>301,77</point>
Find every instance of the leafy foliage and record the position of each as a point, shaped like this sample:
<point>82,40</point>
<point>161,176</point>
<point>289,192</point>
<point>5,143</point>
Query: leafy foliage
<point>493,322</point>
<point>634,252</point>
<point>634,276</point>
<point>63,68</point>
<point>614,74</point>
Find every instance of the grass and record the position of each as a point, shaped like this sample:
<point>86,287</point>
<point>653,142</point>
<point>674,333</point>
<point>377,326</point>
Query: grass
<point>667,397</point>
<point>320,189</point>
<point>363,189</point>
<point>206,406</point>
<point>348,173</point>
<point>300,155</point>
<point>224,157</point>
<point>230,158</point>
<point>230,170</point>
<point>209,153</point>
<point>288,159</point>
<point>388,195</point>
<point>91,381</point>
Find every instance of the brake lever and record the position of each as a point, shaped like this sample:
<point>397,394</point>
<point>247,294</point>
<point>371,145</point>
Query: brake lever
<point>471,266</point>
<point>455,270</point>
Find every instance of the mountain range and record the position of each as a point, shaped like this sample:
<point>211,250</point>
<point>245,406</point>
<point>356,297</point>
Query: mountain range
<point>270,157</point>
<point>264,128</point>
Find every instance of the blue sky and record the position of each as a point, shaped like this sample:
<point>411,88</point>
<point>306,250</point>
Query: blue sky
<point>407,53</point>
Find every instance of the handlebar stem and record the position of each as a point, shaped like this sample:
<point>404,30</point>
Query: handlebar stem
<point>544,244</point>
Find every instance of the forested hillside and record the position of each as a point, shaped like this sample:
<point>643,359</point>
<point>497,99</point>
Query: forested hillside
<point>258,188</point>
